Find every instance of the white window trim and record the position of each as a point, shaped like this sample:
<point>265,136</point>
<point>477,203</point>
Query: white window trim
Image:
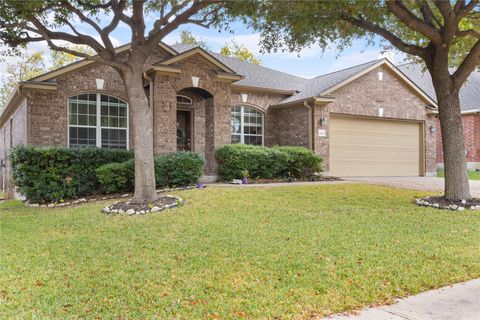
<point>185,103</point>
<point>242,129</point>
<point>98,127</point>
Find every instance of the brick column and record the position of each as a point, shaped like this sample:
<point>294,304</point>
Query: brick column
<point>164,116</point>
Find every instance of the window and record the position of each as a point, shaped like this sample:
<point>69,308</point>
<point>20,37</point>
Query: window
<point>247,125</point>
<point>97,120</point>
<point>184,100</point>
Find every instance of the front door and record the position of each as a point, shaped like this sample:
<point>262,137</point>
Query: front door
<point>184,130</point>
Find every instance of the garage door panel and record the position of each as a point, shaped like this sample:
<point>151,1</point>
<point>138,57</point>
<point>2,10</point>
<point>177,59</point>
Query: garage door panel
<point>371,147</point>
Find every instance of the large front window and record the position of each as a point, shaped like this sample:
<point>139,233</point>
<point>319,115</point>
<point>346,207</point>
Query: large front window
<point>247,125</point>
<point>97,120</point>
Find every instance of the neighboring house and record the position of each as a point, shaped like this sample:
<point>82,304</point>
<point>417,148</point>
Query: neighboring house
<point>368,120</point>
<point>469,103</point>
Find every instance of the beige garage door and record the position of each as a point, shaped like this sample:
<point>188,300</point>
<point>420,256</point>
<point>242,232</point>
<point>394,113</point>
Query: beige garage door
<point>373,147</point>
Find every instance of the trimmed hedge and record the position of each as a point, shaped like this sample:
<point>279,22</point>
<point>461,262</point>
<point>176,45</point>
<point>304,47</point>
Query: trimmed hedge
<point>56,173</point>
<point>172,170</point>
<point>266,163</point>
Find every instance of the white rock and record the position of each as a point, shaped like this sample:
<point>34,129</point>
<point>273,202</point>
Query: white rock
<point>82,200</point>
<point>155,209</point>
<point>477,207</point>
<point>460,208</point>
<point>454,207</point>
<point>121,211</point>
<point>464,201</point>
<point>125,195</point>
<point>141,212</point>
<point>106,210</point>
<point>130,212</point>
<point>34,205</point>
<point>436,205</point>
<point>51,205</point>
<point>472,208</point>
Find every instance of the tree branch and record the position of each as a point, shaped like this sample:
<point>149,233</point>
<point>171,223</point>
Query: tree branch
<point>389,36</point>
<point>403,14</point>
<point>471,61</point>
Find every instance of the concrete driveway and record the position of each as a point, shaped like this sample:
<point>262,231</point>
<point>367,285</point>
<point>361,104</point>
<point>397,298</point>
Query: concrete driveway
<point>416,183</point>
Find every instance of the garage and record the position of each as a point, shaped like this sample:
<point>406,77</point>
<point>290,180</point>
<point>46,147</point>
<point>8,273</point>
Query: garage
<point>361,146</point>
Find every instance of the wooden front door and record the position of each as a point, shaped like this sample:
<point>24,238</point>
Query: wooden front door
<point>184,130</point>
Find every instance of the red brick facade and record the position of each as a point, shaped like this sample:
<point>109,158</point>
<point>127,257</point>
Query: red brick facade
<point>471,135</point>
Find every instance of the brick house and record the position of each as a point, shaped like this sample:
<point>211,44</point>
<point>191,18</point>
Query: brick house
<point>470,105</point>
<point>366,120</point>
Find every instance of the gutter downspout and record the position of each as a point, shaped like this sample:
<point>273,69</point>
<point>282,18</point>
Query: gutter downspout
<point>310,125</point>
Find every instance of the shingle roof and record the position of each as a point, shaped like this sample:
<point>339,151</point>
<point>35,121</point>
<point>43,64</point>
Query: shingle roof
<point>255,75</point>
<point>469,94</point>
<point>314,87</point>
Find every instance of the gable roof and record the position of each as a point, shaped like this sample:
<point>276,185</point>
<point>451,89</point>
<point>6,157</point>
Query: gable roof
<point>255,76</point>
<point>469,93</point>
<point>82,63</point>
<point>322,86</point>
<point>197,50</point>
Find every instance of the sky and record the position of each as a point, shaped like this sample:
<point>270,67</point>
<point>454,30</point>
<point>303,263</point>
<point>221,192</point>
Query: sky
<point>308,63</point>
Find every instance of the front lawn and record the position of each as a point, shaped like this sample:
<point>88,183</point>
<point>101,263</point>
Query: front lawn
<point>472,175</point>
<point>230,253</point>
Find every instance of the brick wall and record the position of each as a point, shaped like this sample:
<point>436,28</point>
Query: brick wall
<point>12,133</point>
<point>471,136</point>
<point>292,124</point>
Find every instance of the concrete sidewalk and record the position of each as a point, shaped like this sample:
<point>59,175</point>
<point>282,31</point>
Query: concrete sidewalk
<point>460,302</point>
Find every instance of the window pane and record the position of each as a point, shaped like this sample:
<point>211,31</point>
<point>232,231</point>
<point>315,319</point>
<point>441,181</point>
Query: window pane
<point>82,137</point>
<point>235,138</point>
<point>255,140</point>
<point>114,138</point>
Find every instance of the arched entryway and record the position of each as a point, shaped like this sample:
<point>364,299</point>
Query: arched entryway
<point>195,123</point>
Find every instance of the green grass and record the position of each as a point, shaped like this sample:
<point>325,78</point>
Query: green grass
<point>472,175</point>
<point>290,252</point>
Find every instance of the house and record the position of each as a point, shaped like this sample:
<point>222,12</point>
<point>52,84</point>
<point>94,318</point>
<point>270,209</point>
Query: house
<point>368,120</point>
<point>470,106</point>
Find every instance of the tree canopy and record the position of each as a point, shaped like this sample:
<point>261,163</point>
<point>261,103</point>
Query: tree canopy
<point>239,51</point>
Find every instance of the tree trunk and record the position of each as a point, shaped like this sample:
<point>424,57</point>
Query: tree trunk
<point>456,179</point>
<point>141,117</point>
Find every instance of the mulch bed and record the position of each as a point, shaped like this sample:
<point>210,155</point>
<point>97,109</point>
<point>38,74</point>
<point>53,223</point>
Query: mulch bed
<point>262,181</point>
<point>126,207</point>
<point>441,203</point>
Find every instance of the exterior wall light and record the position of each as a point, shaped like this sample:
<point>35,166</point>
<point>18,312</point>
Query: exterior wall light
<point>432,128</point>
<point>323,121</point>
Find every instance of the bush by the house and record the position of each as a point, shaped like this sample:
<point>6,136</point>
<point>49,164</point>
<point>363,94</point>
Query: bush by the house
<point>55,173</point>
<point>266,163</point>
<point>172,170</point>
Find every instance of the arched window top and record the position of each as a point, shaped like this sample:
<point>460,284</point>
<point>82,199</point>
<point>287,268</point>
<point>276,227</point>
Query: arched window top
<point>247,125</point>
<point>97,120</point>
<point>181,99</point>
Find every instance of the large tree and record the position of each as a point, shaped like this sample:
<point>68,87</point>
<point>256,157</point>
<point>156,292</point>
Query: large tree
<point>62,21</point>
<point>23,66</point>
<point>441,34</point>
<point>240,52</point>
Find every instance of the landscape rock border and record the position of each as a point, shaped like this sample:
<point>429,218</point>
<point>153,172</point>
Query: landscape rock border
<point>95,199</point>
<point>434,203</point>
<point>155,208</point>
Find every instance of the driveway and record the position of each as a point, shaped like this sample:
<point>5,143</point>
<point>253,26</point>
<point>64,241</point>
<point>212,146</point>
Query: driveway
<point>416,183</point>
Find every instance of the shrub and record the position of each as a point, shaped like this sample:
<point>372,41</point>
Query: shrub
<point>56,173</point>
<point>116,177</point>
<point>301,163</point>
<point>266,163</point>
<point>172,170</point>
